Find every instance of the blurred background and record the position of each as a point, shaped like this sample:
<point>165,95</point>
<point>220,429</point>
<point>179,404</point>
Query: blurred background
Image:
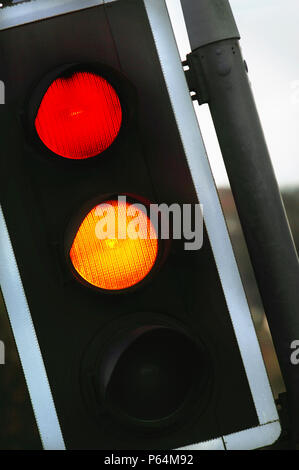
<point>270,37</point>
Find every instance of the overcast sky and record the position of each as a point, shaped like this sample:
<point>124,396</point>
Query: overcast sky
<point>270,42</point>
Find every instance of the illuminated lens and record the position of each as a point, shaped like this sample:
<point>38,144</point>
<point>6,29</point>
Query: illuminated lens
<point>79,116</point>
<point>125,256</point>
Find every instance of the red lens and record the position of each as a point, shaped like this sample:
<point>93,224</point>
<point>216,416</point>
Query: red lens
<point>80,116</point>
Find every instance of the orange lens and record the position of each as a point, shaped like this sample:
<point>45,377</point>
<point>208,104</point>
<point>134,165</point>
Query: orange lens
<point>115,247</point>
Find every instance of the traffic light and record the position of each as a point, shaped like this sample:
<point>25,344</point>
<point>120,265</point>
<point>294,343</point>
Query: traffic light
<point>127,342</point>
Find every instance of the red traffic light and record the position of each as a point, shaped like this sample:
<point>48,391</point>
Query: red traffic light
<point>79,116</point>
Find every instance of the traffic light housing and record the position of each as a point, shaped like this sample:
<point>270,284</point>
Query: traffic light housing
<point>163,362</point>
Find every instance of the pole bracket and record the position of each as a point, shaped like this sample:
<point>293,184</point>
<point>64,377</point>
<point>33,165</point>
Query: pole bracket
<point>194,73</point>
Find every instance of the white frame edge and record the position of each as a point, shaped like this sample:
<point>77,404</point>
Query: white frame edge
<point>27,345</point>
<point>35,10</point>
<point>253,438</point>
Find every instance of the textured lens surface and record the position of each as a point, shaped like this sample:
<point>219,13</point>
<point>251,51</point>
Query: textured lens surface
<point>80,116</point>
<point>121,261</point>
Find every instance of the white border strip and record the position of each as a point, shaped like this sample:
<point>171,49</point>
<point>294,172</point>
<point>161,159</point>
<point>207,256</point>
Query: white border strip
<point>253,438</point>
<point>215,223</point>
<point>36,10</point>
<point>214,444</point>
<point>27,345</point>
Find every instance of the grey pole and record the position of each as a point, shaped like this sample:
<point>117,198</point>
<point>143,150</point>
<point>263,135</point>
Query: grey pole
<point>219,76</point>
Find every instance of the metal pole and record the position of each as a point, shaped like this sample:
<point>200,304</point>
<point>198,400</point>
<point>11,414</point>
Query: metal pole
<point>219,68</point>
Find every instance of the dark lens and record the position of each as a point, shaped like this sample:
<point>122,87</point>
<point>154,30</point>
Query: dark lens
<point>152,373</point>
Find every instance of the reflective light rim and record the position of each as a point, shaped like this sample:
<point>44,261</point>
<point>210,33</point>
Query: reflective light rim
<point>24,13</point>
<point>73,227</point>
<point>27,345</point>
<point>123,88</point>
<point>204,184</point>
